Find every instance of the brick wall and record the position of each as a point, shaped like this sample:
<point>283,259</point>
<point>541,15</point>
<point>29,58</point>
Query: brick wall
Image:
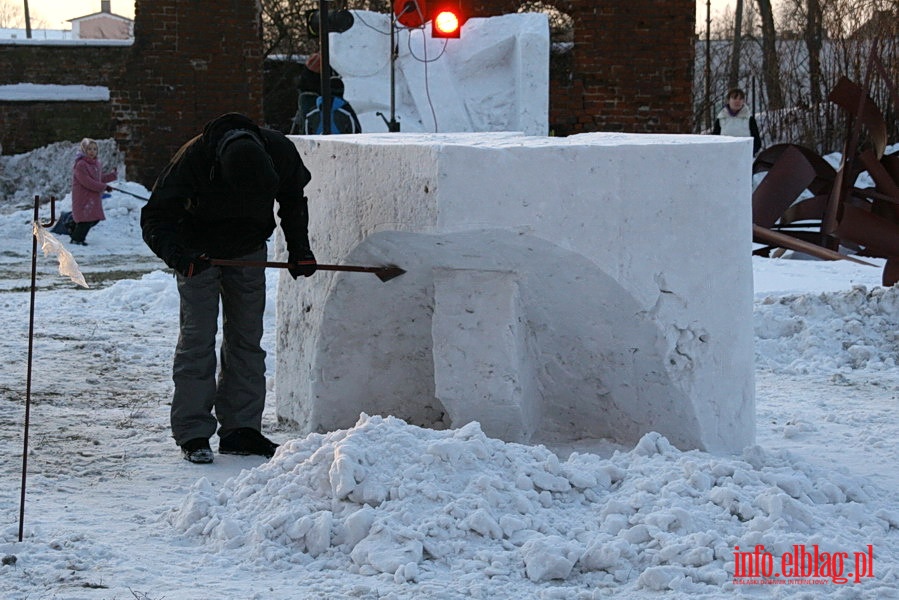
<point>186,66</point>
<point>28,125</point>
<point>631,67</point>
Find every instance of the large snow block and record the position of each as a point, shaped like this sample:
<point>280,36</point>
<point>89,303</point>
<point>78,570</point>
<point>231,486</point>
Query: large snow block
<point>595,286</point>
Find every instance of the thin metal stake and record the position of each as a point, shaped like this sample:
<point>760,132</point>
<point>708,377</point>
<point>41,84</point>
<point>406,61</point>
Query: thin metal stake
<point>37,201</point>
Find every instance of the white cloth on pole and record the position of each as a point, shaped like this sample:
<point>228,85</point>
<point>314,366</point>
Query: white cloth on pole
<point>67,265</point>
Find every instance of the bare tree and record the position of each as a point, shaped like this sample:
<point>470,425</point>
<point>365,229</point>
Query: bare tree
<point>733,78</point>
<point>10,14</point>
<point>770,64</point>
<point>814,41</point>
<point>561,25</point>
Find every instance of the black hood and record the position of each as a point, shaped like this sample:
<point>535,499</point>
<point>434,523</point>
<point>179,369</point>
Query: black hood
<point>215,129</point>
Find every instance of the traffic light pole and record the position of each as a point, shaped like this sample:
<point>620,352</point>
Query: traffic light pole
<point>393,125</point>
<point>324,50</point>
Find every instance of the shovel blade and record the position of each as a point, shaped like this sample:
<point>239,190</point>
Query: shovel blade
<point>389,272</point>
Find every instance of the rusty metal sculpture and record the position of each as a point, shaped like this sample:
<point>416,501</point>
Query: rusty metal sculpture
<point>806,205</point>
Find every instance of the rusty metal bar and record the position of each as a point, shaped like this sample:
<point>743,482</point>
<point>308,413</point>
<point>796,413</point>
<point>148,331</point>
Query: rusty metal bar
<point>783,240</point>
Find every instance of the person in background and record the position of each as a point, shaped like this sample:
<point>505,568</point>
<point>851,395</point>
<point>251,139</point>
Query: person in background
<point>309,100</point>
<point>216,199</point>
<point>343,117</point>
<point>88,184</point>
<point>736,120</point>
<point>309,88</point>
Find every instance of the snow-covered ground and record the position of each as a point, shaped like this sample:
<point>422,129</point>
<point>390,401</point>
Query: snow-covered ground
<point>386,510</point>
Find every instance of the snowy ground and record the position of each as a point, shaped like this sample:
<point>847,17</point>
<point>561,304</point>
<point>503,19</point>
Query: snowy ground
<point>385,510</point>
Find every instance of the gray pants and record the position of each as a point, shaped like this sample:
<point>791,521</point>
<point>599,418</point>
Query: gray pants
<point>238,393</point>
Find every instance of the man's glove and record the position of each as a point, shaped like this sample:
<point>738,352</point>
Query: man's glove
<point>304,261</point>
<point>190,263</point>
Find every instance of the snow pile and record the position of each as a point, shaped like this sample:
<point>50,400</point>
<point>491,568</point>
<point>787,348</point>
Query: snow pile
<point>46,172</point>
<point>389,498</point>
<point>834,332</point>
<point>152,293</point>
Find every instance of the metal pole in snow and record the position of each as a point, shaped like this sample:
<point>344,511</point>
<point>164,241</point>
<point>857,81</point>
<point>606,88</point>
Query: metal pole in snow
<point>28,378</point>
<point>37,201</point>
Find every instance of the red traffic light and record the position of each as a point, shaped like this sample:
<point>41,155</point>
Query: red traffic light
<point>446,20</point>
<point>445,25</point>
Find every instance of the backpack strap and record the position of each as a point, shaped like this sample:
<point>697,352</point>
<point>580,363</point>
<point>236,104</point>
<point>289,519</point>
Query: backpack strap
<point>312,123</point>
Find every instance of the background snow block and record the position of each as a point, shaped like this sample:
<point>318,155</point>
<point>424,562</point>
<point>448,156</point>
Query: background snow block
<point>623,261</point>
<point>436,88</point>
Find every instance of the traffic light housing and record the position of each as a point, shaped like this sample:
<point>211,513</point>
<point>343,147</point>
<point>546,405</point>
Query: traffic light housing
<point>411,13</point>
<point>447,19</point>
<point>338,21</point>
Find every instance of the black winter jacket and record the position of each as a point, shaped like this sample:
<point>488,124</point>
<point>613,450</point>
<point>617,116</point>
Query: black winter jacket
<point>192,210</point>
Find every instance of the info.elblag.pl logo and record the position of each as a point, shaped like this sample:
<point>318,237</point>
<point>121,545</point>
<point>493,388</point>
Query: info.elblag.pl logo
<point>802,566</point>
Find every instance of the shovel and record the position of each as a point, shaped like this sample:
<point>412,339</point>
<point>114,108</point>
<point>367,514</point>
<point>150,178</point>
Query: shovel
<point>383,273</point>
<point>138,196</point>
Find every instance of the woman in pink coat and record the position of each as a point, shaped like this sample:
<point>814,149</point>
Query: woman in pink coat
<point>88,183</point>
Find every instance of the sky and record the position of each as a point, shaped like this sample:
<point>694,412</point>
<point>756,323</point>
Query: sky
<point>718,8</point>
<point>56,13</point>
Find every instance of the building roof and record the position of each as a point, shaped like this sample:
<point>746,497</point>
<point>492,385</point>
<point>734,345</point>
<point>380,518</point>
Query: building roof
<point>17,33</point>
<point>101,14</point>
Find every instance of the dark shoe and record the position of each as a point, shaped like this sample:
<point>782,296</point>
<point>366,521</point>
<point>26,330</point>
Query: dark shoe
<point>197,451</point>
<point>246,441</point>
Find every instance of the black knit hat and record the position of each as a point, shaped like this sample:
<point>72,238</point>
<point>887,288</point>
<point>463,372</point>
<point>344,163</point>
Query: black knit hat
<point>247,167</point>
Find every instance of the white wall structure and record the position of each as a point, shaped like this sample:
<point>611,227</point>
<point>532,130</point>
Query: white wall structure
<point>595,286</point>
<point>495,77</point>
<point>102,25</point>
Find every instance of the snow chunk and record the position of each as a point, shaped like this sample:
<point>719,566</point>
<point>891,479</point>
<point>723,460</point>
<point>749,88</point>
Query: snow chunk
<point>547,558</point>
